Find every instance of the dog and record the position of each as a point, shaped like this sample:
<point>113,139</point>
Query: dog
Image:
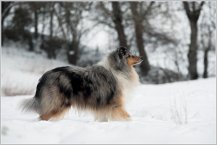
<point>100,89</point>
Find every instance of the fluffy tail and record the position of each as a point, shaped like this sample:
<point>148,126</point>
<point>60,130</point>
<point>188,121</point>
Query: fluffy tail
<point>30,105</point>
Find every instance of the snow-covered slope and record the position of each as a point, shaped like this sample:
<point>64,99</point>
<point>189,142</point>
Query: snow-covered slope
<point>21,70</point>
<point>183,112</point>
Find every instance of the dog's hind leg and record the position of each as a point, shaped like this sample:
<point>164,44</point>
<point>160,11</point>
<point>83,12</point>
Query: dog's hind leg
<point>47,116</point>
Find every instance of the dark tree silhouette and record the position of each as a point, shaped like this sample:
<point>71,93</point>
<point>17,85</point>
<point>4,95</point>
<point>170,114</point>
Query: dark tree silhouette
<point>138,26</point>
<point>6,7</point>
<point>193,10</point>
<point>117,19</point>
<point>35,8</point>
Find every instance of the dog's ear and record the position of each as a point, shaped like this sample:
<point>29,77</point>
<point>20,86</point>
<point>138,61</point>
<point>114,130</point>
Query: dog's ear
<point>123,52</point>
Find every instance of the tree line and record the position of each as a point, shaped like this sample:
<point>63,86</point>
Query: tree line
<point>130,21</point>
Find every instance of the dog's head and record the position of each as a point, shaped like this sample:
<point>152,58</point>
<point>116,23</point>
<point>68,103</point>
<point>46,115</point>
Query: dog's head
<point>126,55</point>
<point>122,58</point>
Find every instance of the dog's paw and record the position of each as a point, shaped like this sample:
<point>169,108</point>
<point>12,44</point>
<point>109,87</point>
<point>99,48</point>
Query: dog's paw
<point>123,52</point>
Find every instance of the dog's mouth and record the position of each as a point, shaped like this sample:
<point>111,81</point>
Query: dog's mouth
<point>134,60</point>
<point>139,60</point>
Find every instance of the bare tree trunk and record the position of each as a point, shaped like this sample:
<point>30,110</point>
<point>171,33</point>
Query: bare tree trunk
<point>206,52</point>
<point>43,25</point>
<point>205,62</point>
<point>192,53</point>
<point>5,8</point>
<point>36,23</point>
<point>117,19</point>
<point>193,10</point>
<point>30,42</point>
<point>73,48</point>
<point>138,26</point>
<point>60,24</point>
<point>72,54</point>
<point>51,20</point>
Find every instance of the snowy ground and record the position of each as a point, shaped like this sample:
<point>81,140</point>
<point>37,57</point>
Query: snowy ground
<point>21,70</point>
<point>183,112</point>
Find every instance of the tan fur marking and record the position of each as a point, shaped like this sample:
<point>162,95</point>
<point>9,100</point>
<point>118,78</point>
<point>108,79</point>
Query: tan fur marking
<point>54,115</point>
<point>119,113</point>
<point>131,60</point>
<point>113,112</point>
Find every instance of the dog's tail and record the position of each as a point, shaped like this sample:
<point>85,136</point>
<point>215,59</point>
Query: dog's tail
<point>31,104</point>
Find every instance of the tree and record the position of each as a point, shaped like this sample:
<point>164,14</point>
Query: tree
<point>117,19</point>
<point>72,15</point>
<point>51,12</point>
<point>206,51</point>
<point>207,29</point>
<point>112,17</point>
<point>124,20</point>
<point>21,21</point>
<point>138,26</point>
<point>6,7</point>
<point>35,8</point>
<point>193,10</point>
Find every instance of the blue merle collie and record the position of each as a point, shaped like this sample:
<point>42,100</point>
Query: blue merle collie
<point>100,88</point>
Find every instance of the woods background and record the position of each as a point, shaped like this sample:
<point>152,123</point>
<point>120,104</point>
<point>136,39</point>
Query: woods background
<point>176,39</point>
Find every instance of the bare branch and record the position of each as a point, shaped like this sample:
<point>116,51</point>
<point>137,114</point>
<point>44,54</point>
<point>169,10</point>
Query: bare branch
<point>187,9</point>
<point>60,24</point>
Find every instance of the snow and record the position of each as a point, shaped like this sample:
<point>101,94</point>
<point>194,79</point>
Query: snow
<point>21,70</point>
<point>183,112</point>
